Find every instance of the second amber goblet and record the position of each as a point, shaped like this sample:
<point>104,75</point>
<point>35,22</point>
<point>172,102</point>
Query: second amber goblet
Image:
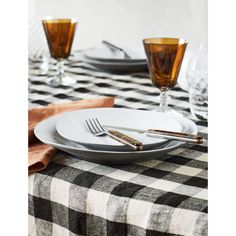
<point>164,56</point>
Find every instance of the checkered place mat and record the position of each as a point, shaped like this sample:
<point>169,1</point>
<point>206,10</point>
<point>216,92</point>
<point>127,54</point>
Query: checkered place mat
<point>166,196</point>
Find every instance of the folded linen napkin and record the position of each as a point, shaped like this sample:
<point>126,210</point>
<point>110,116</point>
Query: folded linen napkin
<point>39,154</point>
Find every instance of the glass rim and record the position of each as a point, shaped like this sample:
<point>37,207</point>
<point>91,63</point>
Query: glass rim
<point>148,40</point>
<point>50,18</point>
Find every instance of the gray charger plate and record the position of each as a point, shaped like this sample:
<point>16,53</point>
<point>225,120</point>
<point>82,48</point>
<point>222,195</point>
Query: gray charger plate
<point>118,67</point>
<point>46,132</point>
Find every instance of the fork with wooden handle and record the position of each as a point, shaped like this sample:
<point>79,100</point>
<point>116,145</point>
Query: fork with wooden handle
<point>97,129</point>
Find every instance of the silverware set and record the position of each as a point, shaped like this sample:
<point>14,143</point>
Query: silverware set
<point>97,129</point>
<point>179,136</point>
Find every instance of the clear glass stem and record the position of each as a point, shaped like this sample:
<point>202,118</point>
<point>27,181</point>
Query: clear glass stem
<point>60,69</point>
<point>60,78</point>
<point>164,99</point>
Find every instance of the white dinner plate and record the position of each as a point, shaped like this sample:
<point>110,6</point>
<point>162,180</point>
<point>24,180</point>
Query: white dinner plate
<point>72,126</point>
<point>46,132</point>
<point>105,54</point>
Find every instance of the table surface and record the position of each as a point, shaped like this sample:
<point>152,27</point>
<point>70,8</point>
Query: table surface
<point>165,196</point>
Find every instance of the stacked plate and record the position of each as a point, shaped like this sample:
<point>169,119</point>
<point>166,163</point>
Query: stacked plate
<point>69,132</point>
<point>106,59</point>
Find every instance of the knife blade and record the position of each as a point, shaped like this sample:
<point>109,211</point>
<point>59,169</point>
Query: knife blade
<point>191,138</point>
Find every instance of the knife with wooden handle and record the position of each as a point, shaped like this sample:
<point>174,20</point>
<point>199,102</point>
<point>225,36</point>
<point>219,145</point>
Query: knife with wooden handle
<point>191,138</point>
<point>179,136</point>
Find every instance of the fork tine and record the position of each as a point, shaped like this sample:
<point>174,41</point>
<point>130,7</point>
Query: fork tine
<point>96,130</point>
<point>93,126</point>
<point>90,128</point>
<point>101,127</point>
<point>97,125</point>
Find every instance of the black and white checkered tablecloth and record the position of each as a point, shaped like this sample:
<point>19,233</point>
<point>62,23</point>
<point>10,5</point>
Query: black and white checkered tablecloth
<point>166,196</point>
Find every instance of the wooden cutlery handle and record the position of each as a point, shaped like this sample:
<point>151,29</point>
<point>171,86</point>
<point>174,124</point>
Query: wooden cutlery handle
<point>194,138</point>
<point>125,139</point>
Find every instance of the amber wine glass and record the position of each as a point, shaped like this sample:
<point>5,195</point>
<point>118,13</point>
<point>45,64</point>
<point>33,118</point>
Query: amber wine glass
<point>60,35</point>
<point>164,56</point>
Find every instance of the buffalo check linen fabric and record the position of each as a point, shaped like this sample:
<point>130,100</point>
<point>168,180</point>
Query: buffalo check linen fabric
<point>166,196</point>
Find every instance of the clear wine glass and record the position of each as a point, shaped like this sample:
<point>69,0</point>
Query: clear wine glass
<point>37,46</point>
<point>164,56</point>
<point>197,76</point>
<point>60,35</point>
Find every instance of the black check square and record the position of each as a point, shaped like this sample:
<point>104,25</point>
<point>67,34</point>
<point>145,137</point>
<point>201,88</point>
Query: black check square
<point>177,178</point>
<point>155,173</point>
<point>59,210</point>
<point>86,179</point>
<point>77,222</point>
<point>134,168</point>
<point>96,225</point>
<point>42,209</point>
<point>40,102</point>
<point>148,194</point>
<point>205,210</point>
<point>62,96</point>
<point>126,189</point>
<point>197,182</point>
<point>178,160</point>
<point>116,228</point>
<point>52,169</point>
<point>171,199</point>
<point>155,233</point>
<point>194,204</point>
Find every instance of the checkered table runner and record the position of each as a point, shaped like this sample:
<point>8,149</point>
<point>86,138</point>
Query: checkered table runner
<point>166,196</point>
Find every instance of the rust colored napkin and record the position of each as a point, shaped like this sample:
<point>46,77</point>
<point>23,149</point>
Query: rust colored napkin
<point>39,154</point>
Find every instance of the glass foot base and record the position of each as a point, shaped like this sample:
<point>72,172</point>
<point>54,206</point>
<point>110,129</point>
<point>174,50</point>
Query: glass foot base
<point>169,111</point>
<point>65,81</point>
<point>163,107</point>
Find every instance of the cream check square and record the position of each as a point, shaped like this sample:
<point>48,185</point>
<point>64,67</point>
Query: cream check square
<point>203,157</point>
<point>176,152</point>
<point>122,175</point>
<point>78,201</point>
<point>59,230</point>
<point>97,203</point>
<point>117,208</point>
<point>203,129</point>
<point>182,221</point>
<point>164,185</point>
<point>150,164</point>
<point>186,170</point>
<point>31,184</point>
<point>31,226</point>
<point>141,216</point>
<point>84,165</point>
<point>60,191</point>
<point>202,195</point>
